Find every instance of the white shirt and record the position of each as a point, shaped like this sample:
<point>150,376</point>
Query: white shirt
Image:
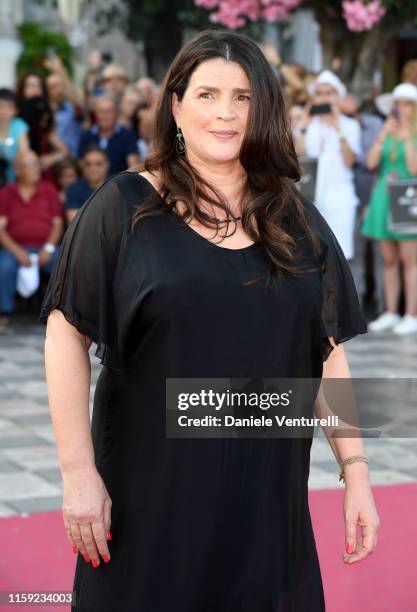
<point>322,142</point>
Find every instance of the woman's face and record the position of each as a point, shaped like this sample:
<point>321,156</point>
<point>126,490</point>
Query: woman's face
<point>129,102</point>
<point>406,109</point>
<point>325,94</point>
<point>7,110</point>
<point>67,177</point>
<point>33,86</point>
<point>213,112</point>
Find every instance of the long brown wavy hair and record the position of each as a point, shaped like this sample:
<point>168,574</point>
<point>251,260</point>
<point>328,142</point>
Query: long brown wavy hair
<point>267,154</point>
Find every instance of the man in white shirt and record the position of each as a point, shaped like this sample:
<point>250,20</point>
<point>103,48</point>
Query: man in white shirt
<point>335,140</point>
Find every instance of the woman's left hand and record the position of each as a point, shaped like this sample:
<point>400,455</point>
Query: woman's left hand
<point>359,509</point>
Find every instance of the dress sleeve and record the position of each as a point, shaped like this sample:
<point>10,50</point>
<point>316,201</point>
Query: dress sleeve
<point>341,314</point>
<point>81,284</point>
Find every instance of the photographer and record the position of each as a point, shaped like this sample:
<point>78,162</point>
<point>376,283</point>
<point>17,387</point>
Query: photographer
<point>335,140</point>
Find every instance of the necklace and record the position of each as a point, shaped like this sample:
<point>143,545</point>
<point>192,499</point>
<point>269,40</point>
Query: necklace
<point>224,220</point>
<point>215,219</point>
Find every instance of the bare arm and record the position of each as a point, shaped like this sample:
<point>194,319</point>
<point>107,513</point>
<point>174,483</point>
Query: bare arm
<point>69,411</point>
<point>336,366</point>
<point>349,156</point>
<point>86,502</point>
<point>60,153</point>
<point>359,506</point>
<point>56,66</point>
<point>23,143</point>
<point>7,242</point>
<point>53,238</point>
<point>56,230</point>
<point>411,155</point>
<point>374,154</point>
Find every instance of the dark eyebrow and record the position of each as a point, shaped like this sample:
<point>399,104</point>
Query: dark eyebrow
<point>216,89</point>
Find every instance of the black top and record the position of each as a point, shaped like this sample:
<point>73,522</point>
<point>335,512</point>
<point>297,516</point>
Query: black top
<point>198,524</point>
<point>94,286</point>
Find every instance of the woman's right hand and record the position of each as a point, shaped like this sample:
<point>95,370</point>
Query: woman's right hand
<point>87,513</point>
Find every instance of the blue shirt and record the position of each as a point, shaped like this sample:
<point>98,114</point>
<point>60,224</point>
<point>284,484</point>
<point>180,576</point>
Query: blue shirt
<point>68,126</point>
<point>9,146</point>
<point>77,194</point>
<point>118,146</point>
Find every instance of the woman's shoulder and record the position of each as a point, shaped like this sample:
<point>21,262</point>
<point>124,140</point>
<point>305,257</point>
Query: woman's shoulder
<point>133,184</point>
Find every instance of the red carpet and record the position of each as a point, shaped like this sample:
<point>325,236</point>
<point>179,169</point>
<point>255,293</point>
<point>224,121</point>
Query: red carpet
<point>37,556</point>
<point>386,580</point>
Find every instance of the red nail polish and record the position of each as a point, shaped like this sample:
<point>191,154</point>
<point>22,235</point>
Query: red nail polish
<point>74,549</point>
<point>95,563</point>
<point>86,558</point>
<point>108,535</point>
<point>350,548</point>
<point>106,558</point>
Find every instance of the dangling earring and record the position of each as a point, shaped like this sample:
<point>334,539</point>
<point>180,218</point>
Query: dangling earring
<point>180,142</point>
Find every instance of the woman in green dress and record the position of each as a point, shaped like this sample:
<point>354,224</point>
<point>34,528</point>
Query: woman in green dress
<point>394,153</point>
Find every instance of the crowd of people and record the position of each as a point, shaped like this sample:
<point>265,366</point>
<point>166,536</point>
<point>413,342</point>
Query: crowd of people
<point>359,149</point>
<point>57,145</point>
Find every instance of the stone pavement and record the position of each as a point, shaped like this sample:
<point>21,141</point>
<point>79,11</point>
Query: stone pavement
<point>30,478</point>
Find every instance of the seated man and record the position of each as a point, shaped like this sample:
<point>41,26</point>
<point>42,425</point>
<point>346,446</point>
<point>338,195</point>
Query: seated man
<point>30,222</point>
<point>94,165</point>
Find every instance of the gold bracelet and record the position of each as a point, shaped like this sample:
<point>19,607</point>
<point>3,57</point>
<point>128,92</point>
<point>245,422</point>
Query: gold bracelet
<point>351,460</point>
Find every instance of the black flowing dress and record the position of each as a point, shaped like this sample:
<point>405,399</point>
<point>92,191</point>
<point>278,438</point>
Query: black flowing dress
<point>198,525</point>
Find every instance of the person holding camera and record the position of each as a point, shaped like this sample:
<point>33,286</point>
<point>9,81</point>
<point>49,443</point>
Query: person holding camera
<point>394,153</point>
<point>335,141</point>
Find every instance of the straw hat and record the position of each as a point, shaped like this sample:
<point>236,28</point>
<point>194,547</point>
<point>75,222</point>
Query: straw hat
<point>113,71</point>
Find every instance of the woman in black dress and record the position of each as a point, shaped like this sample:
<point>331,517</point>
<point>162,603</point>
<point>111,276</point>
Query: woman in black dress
<point>219,524</point>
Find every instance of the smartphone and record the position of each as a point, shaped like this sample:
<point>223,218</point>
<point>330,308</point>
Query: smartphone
<point>395,113</point>
<point>320,109</point>
<point>107,57</point>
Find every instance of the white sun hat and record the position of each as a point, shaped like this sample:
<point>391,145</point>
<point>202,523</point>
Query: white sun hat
<point>403,91</point>
<point>327,77</point>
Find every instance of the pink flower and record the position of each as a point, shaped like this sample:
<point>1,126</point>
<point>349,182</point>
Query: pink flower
<point>360,17</point>
<point>235,13</point>
<point>277,10</point>
<point>207,4</point>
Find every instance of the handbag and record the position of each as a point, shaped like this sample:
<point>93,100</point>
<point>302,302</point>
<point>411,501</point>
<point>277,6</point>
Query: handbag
<point>402,210</point>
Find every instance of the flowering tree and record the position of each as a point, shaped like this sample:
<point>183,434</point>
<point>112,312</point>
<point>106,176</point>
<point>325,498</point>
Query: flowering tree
<point>359,16</point>
<point>235,13</point>
<point>355,30</point>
